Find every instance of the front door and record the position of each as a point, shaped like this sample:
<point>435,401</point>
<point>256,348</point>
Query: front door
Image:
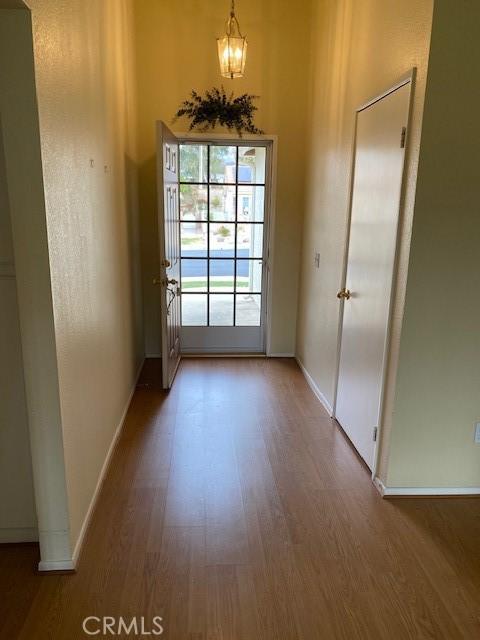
<point>224,252</point>
<point>169,244</point>
<point>377,184</point>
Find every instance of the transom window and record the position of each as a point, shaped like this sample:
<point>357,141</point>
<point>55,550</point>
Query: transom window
<point>222,210</point>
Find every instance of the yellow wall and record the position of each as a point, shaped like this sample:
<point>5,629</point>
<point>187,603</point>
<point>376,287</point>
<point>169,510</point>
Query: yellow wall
<point>176,52</point>
<point>438,389</point>
<point>359,49</point>
<point>84,73</point>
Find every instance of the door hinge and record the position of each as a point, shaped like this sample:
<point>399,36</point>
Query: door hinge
<point>403,137</point>
<point>375,432</point>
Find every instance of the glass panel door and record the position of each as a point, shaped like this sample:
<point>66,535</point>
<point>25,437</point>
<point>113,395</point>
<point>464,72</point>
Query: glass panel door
<point>223,235</point>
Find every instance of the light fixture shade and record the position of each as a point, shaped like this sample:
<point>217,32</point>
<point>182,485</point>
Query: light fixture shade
<point>232,49</point>
<point>232,54</point>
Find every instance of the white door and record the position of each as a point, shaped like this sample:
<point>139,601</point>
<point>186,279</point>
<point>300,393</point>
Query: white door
<point>377,184</point>
<point>223,230</point>
<point>169,243</point>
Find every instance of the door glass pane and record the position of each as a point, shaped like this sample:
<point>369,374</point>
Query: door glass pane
<point>221,275</point>
<point>194,275</point>
<point>249,240</point>
<point>193,202</point>
<point>221,310</point>
<point>249,276</point>
<point>251,203</point>
<point>222,240</point>
<point>193,162</point>
<point>223,164</point>
<point>194,310</point>
<point>222,203</point>
<point>193,238</point>
<point>247,312</point>
<point>251,165</point>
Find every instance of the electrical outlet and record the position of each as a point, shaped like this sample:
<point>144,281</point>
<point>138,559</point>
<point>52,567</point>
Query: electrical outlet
<point>477,433</point>
<point>317,260</point>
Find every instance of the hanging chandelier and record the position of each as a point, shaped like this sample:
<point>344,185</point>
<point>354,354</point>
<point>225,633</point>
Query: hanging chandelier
<point>232,48</point>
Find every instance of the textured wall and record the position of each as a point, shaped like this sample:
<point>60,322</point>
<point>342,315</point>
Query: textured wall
<point>177,53</point>
<point>359,49</point>
<point>438,389</point>
<point>84,73</point>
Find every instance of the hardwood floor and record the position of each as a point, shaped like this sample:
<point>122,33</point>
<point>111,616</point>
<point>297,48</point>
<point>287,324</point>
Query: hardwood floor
<point>235,509</point>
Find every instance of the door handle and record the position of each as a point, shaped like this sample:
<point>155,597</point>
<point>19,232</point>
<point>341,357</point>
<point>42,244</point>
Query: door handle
<point>165,281</point>
<point>344,294</point>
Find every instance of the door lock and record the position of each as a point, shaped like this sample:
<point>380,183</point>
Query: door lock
<point>344,294</point>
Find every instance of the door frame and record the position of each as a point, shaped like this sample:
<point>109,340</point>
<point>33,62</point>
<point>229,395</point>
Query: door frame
<point>407,78</point>
<point>271,141</point>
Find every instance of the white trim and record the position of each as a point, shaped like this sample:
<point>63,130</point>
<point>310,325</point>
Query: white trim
<point>313,386</point>
<point>222,354</point>
<point>405,79</point>
<point>101,477</point>
<point>287,354</point>
<point>424,491</point>
<point>215,351</point>
<point>153,355</point>
<point>219,137</point>
<point>271,224</point>
<point>20,534</point>
<point>56,565</point>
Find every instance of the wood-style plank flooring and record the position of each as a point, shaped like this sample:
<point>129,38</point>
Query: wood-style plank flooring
<point>237,510</point>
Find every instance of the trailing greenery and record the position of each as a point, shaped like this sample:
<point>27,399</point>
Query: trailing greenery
<point>215,107</point>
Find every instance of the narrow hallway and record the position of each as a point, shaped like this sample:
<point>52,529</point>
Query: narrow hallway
<point>234,508</point>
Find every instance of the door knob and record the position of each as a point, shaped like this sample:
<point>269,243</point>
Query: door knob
<point>344,294</point>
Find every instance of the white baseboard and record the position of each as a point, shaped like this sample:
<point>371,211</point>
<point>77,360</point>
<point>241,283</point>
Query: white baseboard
<point>153,355</point>
<point>101,478</point>
<point>288,354</point>
<point>18,534</point>
<point>424,491</point>
<point>313,386</point>
<point>56,565</point>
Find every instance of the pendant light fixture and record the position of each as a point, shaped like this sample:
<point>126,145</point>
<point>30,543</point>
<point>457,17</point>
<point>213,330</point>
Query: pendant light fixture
<point>232,48</point>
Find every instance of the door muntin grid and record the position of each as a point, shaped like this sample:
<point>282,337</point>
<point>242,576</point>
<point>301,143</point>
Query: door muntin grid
<point>222,211</point>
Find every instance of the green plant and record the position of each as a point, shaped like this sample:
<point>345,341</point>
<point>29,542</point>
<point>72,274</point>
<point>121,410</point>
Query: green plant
<point>215,107</point>
<point>223,231</point>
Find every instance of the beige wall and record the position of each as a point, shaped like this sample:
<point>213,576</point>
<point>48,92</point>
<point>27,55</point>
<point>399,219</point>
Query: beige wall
<point>438,388</point>
<point>84,73</point>
<point>359,49</point>
<point>177,53</point>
